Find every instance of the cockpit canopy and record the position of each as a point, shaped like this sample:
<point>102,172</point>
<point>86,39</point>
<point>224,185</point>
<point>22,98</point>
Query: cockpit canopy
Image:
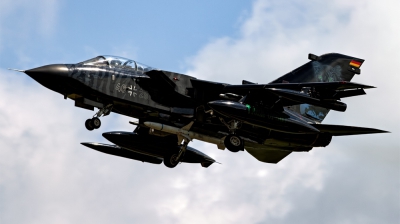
<point>117,62</point>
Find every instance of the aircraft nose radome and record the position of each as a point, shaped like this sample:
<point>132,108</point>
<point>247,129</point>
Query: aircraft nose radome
<point>60,70</point>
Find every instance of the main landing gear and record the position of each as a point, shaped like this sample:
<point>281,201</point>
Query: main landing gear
<point>233,142</point>
<point>172,160</point>
<point>95,123</point>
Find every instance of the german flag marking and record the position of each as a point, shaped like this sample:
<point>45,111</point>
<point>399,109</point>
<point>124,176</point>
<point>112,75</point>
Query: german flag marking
<point>355,63</point>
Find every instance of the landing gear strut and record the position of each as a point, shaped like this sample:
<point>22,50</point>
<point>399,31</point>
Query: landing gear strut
<point>95,123</point>
<point>173,159</point>
<point>232,141</point>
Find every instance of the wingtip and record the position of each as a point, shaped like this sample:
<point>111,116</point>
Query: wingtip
<point>377,131</point>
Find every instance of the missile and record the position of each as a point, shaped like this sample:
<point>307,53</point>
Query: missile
<point>183,132</point>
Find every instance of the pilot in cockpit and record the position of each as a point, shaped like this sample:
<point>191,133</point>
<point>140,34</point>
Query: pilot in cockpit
<point>115,63</point>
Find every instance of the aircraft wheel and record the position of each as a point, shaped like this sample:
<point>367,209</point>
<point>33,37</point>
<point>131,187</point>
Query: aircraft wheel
<point>88,125</point>
<point>169,160</point>
<point>95,122</point>
<point>234,143</point>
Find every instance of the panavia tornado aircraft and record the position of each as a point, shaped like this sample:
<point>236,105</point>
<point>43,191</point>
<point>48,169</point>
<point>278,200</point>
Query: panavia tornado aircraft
<point>269,121</point>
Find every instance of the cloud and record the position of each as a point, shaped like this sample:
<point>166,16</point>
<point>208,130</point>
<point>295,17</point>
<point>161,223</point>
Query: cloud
<point>275,39</point>
<point>29,19</point>
<point>46,176</point>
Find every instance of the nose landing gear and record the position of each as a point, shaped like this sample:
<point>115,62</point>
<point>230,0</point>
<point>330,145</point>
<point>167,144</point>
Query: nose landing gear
<point>92,124</point>
<point>95,123</point>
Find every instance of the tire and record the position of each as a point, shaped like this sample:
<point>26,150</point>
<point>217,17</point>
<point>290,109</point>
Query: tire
<point>95,123</point>
<point>88,125</point>
<point>234,143</point>
<point>169,160</point>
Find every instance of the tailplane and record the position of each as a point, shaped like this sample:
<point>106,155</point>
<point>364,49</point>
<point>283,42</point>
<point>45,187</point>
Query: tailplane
<point>342,130</point>
<point>330,67</point>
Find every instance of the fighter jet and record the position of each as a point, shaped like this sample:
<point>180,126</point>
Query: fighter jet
<point>269,121</point>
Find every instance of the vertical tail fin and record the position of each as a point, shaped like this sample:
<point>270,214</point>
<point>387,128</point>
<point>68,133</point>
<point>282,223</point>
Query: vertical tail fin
<point>325,68</point>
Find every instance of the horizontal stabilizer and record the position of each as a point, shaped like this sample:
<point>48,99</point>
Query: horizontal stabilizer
<point>342,85</point>
<point>118,151</point>
<point>349,93</point>
<point>341,130</point>
<point>304,98</point>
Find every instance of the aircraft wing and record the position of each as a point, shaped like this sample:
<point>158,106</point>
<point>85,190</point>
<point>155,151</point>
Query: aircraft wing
<point>341,130</point>
<point>166,88</point>
<point>162,79</point>
<point>323,94</point>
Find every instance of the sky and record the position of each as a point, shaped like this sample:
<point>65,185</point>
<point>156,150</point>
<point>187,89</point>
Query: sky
<point>46,176</point>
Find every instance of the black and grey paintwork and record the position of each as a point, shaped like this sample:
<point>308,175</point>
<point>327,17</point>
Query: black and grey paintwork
<point>270,120</point>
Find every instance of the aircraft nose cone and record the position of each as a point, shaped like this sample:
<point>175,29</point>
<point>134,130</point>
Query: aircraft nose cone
<point>54,77</point>
<point>47,71</point>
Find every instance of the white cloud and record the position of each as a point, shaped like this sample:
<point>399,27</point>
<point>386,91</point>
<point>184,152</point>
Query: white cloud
<point>46,176</point>
<point>275,39</point>
<point>27,18</point>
